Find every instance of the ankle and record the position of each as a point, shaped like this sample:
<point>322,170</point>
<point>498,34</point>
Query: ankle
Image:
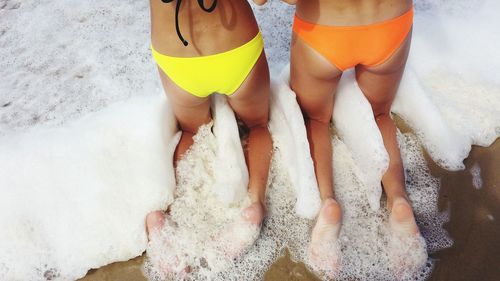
<point>256,197</point>
<point>328,197</point>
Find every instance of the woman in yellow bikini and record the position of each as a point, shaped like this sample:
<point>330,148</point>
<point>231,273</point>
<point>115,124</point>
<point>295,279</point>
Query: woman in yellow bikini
<point>330,36</point>
<point>201,49</point>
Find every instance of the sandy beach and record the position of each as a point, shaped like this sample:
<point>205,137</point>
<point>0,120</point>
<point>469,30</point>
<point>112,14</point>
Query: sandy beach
<point>473,226</point>
<point>85,132</point>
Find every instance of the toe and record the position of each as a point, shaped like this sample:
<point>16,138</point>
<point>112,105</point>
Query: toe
<point>324,251</point>
<point>154,221</point>
<point>236,237</point>
<point>325,257</point>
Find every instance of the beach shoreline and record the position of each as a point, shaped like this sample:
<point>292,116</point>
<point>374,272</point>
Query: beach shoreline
<point>473,226</point>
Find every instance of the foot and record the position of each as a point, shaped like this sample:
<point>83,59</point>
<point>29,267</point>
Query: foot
<point>154,223</point>
<point>254,214</point>
<point>401,219</point>
<point>407,249</point>
<point>237,237</point>
<point>324,250</point>
<point>161,254</point>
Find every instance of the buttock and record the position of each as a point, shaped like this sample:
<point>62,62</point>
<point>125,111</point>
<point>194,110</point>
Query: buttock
<point>348,46</point>
<point>221,73</point>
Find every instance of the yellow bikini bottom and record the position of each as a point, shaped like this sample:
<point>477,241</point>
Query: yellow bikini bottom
<point>221,73</point>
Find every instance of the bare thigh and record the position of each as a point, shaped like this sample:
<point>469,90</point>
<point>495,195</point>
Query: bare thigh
<point>251,101</point>
<point>191,111</point>
<point>380,83</point>
<point>251,104</point>
<point>314,80</point>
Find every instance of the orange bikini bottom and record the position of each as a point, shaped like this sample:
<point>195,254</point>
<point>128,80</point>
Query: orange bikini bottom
<point>348,46</point>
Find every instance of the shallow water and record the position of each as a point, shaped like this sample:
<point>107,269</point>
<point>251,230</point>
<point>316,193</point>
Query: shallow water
<point>86,181</point>
<point>473,226</point>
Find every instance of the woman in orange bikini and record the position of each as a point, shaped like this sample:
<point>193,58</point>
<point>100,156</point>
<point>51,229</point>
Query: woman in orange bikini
<point>330,36</point>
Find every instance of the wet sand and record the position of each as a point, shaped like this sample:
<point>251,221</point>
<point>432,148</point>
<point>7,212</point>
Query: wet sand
<point>474,226</point>
<point>474,219</point>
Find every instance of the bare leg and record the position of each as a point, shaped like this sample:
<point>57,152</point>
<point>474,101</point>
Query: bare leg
<point>380,84</point>
<point>191,112</point>
<point>251,105</point>
<point>314,80</point>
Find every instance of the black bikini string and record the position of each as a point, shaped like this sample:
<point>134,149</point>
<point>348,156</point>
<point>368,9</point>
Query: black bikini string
<point>178,7</point>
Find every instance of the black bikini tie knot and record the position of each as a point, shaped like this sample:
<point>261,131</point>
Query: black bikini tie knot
<point>178,7</point>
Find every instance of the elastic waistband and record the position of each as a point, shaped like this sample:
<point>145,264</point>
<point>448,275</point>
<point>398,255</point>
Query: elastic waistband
<point>257,40</point>
<point>407,14</point>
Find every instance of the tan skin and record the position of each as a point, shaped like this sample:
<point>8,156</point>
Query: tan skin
<point>230,25</point>
<point>310,70</point>
<point>379,84</point>
<point>233,25</point>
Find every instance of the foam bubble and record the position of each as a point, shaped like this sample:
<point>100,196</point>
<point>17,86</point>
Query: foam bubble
<point>477,181</point>
<point>445,145</point>
<point>231,173</point>
<point>109,170</point>
<point>407,256</point>
<point>354,120</point>
<point>275,21</point>
<point>195,233</point>
<point>75,197</point>
<point>61,60</point>
<point>459,73</point>
<point>365,239</point>
<point>289,135</point>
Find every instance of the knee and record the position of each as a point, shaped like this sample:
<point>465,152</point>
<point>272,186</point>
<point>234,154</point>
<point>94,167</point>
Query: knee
<point>192,126</point>
<point>188,130</point>
<point>256,123</point>
<point>380,109</point>
<point>257,120</point>
<point>381,116</point>
<point>318,118</point>
<point>319,113</point>
<point>189,119</point>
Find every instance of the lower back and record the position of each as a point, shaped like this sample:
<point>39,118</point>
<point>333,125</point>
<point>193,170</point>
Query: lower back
<point>230,25</point>
<point>350,12</point>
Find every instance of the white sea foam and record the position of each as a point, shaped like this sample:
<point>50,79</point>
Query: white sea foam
<point>446,146</point>
<point>197,220</point>
<point>231,174</point>
<point>60,60</point>
<point>86,186</point>
<point>290,136</point>
<point>364,240</point>
<point>74,197</point>
<point>458,69</point>
<point>354,120</point>
<point>477,181</point>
